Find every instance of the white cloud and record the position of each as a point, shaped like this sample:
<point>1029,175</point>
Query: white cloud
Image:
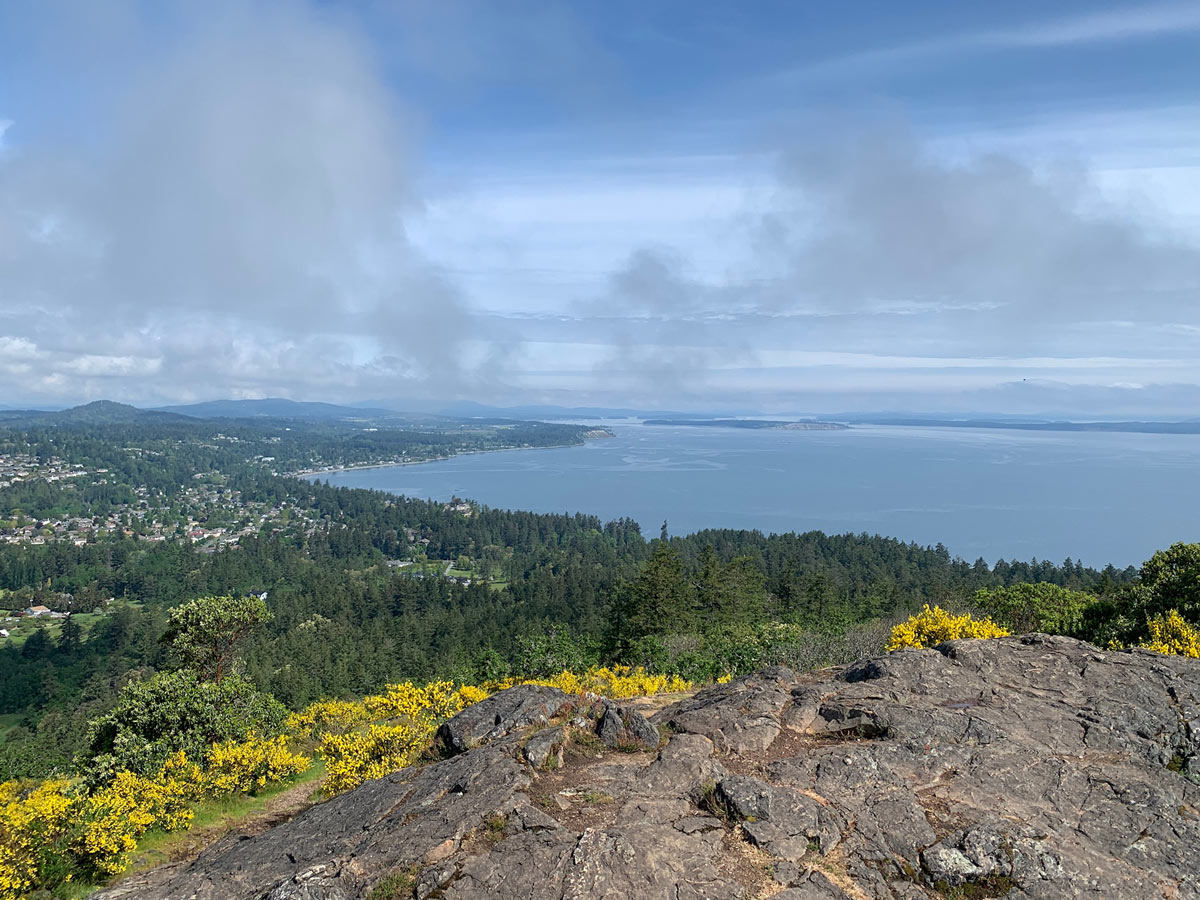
<point>1116,25</point>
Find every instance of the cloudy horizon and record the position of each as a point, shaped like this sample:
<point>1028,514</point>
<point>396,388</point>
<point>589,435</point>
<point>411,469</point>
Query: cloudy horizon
<point>781,208</point>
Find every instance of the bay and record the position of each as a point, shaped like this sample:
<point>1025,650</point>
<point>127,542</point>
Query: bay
<point>1097,497</point>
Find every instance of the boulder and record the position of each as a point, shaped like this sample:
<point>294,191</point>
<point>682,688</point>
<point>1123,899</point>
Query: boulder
<point>625,727</point>
<point>498,716</point>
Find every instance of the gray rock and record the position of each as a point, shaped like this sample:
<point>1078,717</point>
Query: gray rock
<point>545,748</point>
<point>625,727</point>
<point>1033,768</point>
<point>499,715</point>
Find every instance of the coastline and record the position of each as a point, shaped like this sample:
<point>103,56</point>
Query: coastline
<point>309,473</point>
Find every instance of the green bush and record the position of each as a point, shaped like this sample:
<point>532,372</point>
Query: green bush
<point>175,711</point>
<point>1036,607</point>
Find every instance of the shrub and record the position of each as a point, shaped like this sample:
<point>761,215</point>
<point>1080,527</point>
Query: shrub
<point>171,712</point>
<point>1171,634</point>
<point>931,627</point>
<point>357,757</point>
<point>332,716</point>
<point>35,826</point>
<point>114,817</point>
<point>1037,607</point>
<point>616,682</point>
<point>246,767</point>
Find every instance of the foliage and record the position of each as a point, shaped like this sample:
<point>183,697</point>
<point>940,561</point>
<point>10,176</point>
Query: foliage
<point>244,767</point>
<point>1036,607</point>
<point>615,682</point>
<point>55,831</point>
<point>175,711</point>
<point>35,827</point>
<point>1171,634</point>
<point>1173,578</point>
<point>359,756</point>
<point>205,631</point>
<point>1169,583</point>
<point>932,626</point>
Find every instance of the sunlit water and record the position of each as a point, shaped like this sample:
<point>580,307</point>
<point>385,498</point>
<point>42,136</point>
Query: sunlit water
<point>992,493</point>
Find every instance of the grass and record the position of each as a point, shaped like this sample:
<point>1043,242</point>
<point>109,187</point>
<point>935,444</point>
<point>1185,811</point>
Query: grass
<point>395,886</point>
<point>494,828</point>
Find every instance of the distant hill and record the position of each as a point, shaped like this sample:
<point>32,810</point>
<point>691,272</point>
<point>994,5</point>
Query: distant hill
<point>275,407</point>
<point>98,412</point>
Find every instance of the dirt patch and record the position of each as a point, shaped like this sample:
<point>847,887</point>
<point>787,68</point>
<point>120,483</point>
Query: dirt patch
<point>747,865</point>
<point>582,794</point>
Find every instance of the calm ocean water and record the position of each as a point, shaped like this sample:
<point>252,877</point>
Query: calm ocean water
<point>992,493</point>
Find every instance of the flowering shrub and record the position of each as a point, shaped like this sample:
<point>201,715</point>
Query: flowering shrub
<point>35,826</point>
<point>333,716</point>
<point>615,682</point>
<point>54,831</point>
<point>379,734</point>
<point>115,816</point>
<point>1170,633</point>
<point>356,757</point>
<point>245,767</point>
<point>435,701</point>
<point>930,627</point>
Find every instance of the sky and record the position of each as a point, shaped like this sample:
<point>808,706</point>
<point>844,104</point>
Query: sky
<point>790,208</point>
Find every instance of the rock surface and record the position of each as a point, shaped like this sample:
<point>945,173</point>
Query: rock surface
<point>1028,768</point>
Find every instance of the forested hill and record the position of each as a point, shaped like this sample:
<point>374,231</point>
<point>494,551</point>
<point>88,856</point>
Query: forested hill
<point>368,588</point>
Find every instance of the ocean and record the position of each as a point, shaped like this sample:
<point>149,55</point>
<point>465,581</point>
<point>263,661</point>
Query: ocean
<point>1096,497</point>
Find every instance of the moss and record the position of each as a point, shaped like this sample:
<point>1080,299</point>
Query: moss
<point>494,828</point>
<point>396,886</point>
<point>990,888</point>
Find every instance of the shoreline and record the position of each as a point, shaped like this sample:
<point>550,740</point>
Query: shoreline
<point>309,473</point>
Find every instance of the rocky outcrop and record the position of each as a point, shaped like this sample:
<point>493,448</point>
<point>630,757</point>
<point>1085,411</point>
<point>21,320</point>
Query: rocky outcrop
<point>1028,768</point>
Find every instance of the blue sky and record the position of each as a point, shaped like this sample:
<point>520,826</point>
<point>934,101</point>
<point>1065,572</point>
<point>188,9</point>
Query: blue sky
<point>787,207</point>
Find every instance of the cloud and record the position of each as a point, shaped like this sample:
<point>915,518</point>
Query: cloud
<point>1134,23</point>
<point>876,224</point>
<point>877,269</point>
<point>240,220</point>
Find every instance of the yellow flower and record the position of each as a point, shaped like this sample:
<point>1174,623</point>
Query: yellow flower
<point>931,627</point>
<point>1170,633</point>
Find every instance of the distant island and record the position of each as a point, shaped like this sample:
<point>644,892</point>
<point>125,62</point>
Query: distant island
<point>750,423</point>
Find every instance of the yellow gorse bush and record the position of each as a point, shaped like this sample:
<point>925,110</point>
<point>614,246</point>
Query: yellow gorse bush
<point>242,767</point>
<point>54,830</point>
<point>357,757</point>
<point>930,627</point>
<point>34,825</point>
<point>615,682</point>
<point>333,716</point>
<point>1170,633</point>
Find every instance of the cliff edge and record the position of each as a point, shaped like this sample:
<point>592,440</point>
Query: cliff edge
<point>1023,767</point>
